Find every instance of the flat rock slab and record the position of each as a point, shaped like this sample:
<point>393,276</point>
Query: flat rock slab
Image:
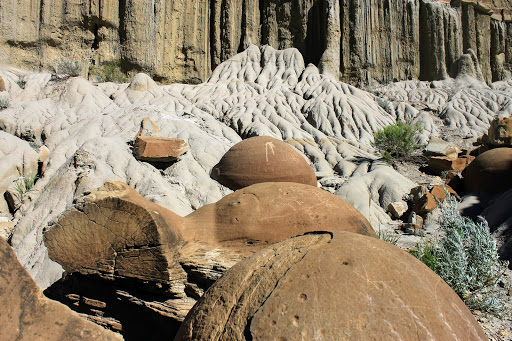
<point>331,286</point>
<point>28,315</point>
<point>159,149</point>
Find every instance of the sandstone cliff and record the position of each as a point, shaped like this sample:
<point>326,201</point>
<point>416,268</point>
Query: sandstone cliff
<point>182,41</point>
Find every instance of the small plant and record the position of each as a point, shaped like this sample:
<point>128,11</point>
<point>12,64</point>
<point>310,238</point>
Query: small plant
<point>21,83</point>
<point>388,237</point>
<point>397,141</point>
<point>467,259</point>
<point>4,103</point>
<point>69,68</point>
<point>26,184</point>
<point>108,72</point>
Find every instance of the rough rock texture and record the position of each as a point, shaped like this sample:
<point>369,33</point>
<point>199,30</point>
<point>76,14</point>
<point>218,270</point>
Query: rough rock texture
<point>115,237</point>
<point>270,212</point>
<point>183,41</point>
<point>159,149</point>
<point>261,91</point>
<point>17,159</point>
<point>28,315</point>
<point>490,172</point>
<point>262,159</point>
<point>115,232</point>
<point>500,132</point>
<point>301,288</point>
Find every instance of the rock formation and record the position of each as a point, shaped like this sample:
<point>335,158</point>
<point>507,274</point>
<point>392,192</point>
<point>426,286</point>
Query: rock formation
<point>28,315</point>
<point>262,159</point>
<point>183,41</point>
<point>334,286</point>
<point>116,236</point>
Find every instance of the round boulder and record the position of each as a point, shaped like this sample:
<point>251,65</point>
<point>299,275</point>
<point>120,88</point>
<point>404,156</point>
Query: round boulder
<point>330,286</point>
<point>490,172</point>
<point>262,159</point>
<point>272,211</point>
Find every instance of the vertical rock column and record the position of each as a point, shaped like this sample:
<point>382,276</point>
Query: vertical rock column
<point>432,47</point>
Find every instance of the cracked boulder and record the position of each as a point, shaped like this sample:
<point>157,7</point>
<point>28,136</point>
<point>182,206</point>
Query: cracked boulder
<point>114,237</point>
<point>115,232</point>
<point>270,212</point>
<point>332,286</point>
<point>28,315</point>
<point>262,159</point>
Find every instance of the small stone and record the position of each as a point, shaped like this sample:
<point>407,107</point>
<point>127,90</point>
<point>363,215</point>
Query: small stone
<point>397,209</point>
<point>415,219</point>
<point>159,149</point>
<point>439,147</point>
<point>148,128</point>
<point>44,152</point>
<point>439,164</point>
<point>2,84</point>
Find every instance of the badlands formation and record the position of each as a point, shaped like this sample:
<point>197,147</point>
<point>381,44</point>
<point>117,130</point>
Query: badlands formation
<point>144,195</point>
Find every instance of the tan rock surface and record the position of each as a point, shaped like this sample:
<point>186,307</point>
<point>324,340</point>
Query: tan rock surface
<point>439,164</point>
<point>333,286</point>
<point>262,159</point>
<point>490,172</point>
<point>270,212</point>
<point>159,149</point>
<point>183,41</point>
<point>500,132</point>
<point>117,233</point>
<point>28,315</point>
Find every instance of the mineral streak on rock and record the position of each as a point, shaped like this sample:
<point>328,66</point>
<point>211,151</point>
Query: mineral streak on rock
<point>262,159</point>
<point>183,41</point>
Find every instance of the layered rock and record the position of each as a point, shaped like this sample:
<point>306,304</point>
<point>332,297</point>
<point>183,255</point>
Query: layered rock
<point>301,288</point>
<point>262,159</point>
<point>114,238</point>
<point>411,39</point>
<point>28,315</point>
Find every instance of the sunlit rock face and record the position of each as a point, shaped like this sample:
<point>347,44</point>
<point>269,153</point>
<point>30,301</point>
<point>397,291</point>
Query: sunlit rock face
<point>183,41</point>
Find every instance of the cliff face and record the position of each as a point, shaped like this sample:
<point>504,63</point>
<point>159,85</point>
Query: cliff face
<point>182,41</point>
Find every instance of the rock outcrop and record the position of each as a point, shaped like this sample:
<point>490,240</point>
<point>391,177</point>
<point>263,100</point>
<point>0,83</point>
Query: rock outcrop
<point>183,41</point>
<point>262,159</point>
<point>28,315</point>
<point>334,286</point>
<point>116,238</point>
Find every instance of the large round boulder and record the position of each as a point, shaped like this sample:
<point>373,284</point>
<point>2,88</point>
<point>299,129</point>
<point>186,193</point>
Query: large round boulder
<point>262,159</point>
<point>490,172</point>
<point>272,211</point>
<point>331,286</point>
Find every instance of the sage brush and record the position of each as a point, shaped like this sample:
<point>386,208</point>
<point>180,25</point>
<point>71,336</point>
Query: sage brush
<point>466,258</point>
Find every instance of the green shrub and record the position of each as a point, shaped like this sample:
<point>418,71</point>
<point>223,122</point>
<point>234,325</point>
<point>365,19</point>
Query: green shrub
<point>108,72</point>
<point>4,103</point>
<point>26,184</point>
<point>21,83</point>
<point>466,257</point>
<point>397,141</point>
<point>68,67</point>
